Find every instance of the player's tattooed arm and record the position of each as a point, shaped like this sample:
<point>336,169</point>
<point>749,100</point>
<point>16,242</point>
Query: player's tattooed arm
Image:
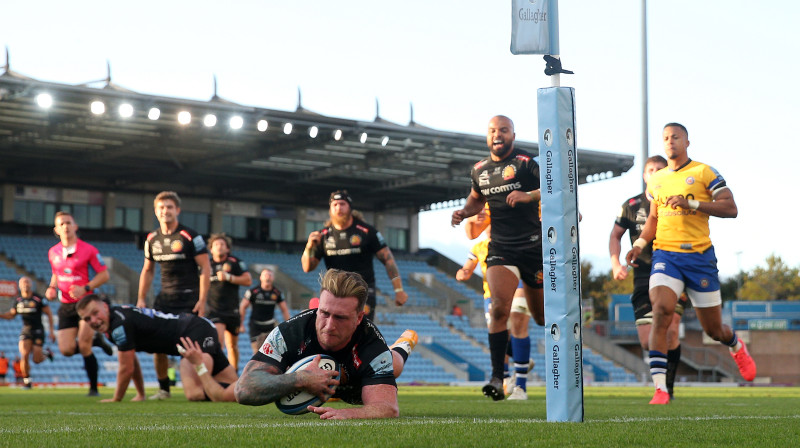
<point>262,383</point>
<point>385,256</point>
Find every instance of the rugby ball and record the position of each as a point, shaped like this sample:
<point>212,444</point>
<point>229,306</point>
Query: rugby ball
<point>297,403</point>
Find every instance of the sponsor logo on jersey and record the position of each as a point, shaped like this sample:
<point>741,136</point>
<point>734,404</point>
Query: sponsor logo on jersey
<point>689,180</point>
<point>483,178</point>
<point>176,246</point>
<point>266,348</point>
<point>186,235</point>
<point>100,260</point>
<point>356,360</point>
<point>509,172</point>
<point>659,267</point>
<point>157,249</point>
<point>330,242</point>
<point>67,271</point>
<point>523,157</point>
<point>355,240</point>
<point>478,165</point>
<point>362,228</point>
<point>507,188</point>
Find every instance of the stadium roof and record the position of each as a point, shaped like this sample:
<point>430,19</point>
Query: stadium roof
<point>383,164</point>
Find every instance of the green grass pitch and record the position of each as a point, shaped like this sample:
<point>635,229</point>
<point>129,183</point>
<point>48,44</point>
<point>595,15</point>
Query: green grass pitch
<point>431,416</point>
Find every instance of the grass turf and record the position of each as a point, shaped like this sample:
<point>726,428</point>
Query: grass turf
<point>430,417</point>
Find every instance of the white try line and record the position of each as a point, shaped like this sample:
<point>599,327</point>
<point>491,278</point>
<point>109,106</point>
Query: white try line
<point>411,421</point>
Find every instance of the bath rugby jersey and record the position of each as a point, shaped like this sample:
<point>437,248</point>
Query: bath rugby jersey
<point>223,297</point>
<point>175,254</point>
<point>350,249</point>
<point>683,230</point>
<point>479,252</point>
<point>495,180</point>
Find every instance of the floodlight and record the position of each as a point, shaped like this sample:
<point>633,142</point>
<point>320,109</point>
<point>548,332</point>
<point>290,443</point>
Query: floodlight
<point>287,128</point>
<point>44,100</point>
<point>236,122</point>
<point>210,120</point>
<point>262,125</point>
<point>98,108</point>
<point>153,113</point>
<point>337,135</point>
<point>184,117</point>
<point>363,138</point>
<point>125,110</point>
<point>385,140</point>
<point>313,131</point>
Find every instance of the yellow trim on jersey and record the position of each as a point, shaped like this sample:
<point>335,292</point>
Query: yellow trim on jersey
<point>481,250</point>
<point>682,230</point>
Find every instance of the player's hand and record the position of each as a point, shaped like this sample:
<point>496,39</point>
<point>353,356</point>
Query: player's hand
<point>51,293</point>
<point>457,217</point>
<point>52,337</point>
<point>190,350</point>
<point>518,197</point>
<point>677,201</point>
<point>317,381</point>
<point>619,272</point>
<point>223,276</point>
<point>200,308</point>
<point>314,238</point>
<point>141,303</point>
<point>326,413</point>
<point>400,298</point>
<point>241,329</point>
<point>632,255</point>
<point>463,274</point>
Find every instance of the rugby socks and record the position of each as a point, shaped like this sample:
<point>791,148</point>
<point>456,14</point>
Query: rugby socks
<point>402,351</point>
<point>673,359</point>
<point>734,343</point>
<point>163,384</point>
<point>658,369</point>
<point>522,355</point>
<point>497,352</point>
<point>90,364</point>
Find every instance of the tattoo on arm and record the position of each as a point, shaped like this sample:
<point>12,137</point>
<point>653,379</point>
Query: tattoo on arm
<point>262,383</point>
<point>385,256</point>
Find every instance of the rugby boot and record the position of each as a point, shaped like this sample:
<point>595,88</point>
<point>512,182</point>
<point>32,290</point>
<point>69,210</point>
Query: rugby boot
<point>747,367</point>
<point>518,394</point>
<point>494,389</point>
<point>160,395</point>
<point>100,341</point>
<point>660,397</point>
<point>408,340</point>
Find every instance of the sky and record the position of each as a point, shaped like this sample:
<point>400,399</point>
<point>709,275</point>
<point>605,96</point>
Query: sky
<point>727,70</point>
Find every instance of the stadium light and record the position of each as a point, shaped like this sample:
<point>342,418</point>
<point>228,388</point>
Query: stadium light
<point>385,140</point>
<point>98,108</point>
<point>236,122</point>
<point>153,113</point>
<point>363,138</point>
<point>210,120</point>
<point>337,135</point>
<point>313,131</point>
<point>262,125</point>
<point>184,117</point>
<point>125,110</point>
<point>44,100</point>
<point>287,128</point>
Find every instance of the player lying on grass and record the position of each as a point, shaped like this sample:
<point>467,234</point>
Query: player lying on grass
<point>337,328</point>
<point>143,329</point>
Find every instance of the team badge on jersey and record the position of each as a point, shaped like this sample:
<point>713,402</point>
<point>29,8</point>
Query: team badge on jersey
<point>176,246</point>
<point>509,172</point>
<point>226,267</point>
<point>355,240</point>
<point>689,180</point>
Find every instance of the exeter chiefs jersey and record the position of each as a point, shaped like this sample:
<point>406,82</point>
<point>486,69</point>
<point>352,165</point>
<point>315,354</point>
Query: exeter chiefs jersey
<point>495,180</point>
<point>351,249</point>
<point>223,297</point>
<point>148,330</point>
<point>30,308</point>
<point>684,230</point>
<point>175,254</point>
<point>263,303</point>
<point>632,217</point>
<point>365,361</point>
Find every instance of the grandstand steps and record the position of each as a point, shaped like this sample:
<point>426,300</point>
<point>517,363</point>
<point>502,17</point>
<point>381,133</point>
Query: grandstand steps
<point>425,352</point>
<point>609,349</point>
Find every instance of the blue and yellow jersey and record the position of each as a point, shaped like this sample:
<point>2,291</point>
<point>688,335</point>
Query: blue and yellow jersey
<point>683,230</point>
<point>479,252</point>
